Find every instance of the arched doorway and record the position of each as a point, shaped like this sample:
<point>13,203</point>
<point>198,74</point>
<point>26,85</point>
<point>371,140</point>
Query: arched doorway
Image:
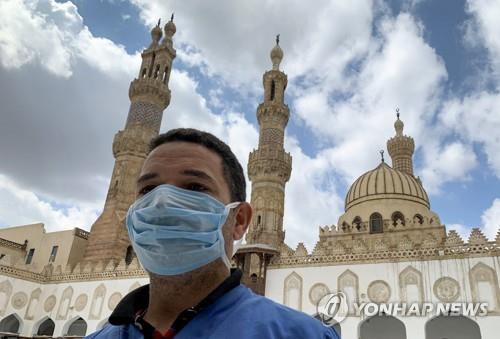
<point>10,324</point>
<point>453,327</point>
<point>382,327</point>
<point>77,328</point>
<point>46,327</point>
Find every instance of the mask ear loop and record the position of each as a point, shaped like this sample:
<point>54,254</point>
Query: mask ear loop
<point>236,243</point>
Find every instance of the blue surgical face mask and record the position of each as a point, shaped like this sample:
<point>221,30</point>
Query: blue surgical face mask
<point>174,230</point>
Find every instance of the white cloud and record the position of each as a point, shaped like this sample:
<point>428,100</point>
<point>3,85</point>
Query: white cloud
<point>20,206</point>
<point>484,27</point>
<point>447,163</point>
<point>234,39</point>
<point>491,220</point>
<point>52,34</point>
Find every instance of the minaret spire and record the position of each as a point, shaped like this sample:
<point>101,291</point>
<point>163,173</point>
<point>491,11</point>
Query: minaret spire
<point>269,166</point>
<point>149,96</point>
<point>277,54</point>
<point>401,148</point>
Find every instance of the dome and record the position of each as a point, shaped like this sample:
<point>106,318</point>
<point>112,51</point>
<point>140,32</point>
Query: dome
<point>385,182</point>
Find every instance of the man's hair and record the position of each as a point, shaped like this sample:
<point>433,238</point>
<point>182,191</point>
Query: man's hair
<point>231,168</point>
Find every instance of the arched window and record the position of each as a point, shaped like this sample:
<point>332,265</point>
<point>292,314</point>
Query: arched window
<point>165,73</point>
<point>78,328</point>
<point>376,225</point>
<point>456,327</point>
<point>418,219</point>
<point>143,75</point>
<point>129,255</point>
<point>151,65</point>
<point>10,324</point>
<point>356,223</point>
<point>259,219</point>
<point>273,90</point>
<point>397,219</point>
<point>46,328</point>
<point>390,328</point>
<point>157,71</point>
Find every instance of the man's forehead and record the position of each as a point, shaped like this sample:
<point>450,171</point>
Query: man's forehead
<point>179,153</point>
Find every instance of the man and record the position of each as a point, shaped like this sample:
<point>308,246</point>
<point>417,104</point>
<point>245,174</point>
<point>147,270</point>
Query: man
<point>190,209</point>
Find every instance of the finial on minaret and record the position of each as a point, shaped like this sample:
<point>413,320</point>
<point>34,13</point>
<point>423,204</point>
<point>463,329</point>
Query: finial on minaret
<point>156,34</point>
<point>398,125</point>
<point>276,54</point>
<point>382,155</point>
<point>170,28</point>
<point>401,148</point>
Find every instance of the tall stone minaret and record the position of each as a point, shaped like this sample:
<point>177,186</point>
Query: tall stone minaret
<point>401,148</point>
<point>269,166</point>
<point>149,95</point>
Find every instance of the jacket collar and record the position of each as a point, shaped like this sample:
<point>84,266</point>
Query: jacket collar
<point>138,300</point>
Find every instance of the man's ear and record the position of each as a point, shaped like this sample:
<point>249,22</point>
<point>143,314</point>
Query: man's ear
<point>242,220</point>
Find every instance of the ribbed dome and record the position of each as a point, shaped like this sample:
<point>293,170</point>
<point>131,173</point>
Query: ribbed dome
<point>385,182</point>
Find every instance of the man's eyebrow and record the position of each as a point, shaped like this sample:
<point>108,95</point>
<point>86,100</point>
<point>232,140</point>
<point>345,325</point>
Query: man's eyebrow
<point>198,174</point>
<point>146,177</point>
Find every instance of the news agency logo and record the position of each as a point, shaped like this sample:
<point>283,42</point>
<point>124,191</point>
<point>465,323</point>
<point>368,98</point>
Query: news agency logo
<point>332,308</point>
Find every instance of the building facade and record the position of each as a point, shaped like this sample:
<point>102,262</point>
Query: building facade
<point>388,246</point>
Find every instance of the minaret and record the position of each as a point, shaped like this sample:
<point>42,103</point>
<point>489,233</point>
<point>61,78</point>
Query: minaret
<point>401,148</point>
<point>269,166</point>
<point>149,96</point>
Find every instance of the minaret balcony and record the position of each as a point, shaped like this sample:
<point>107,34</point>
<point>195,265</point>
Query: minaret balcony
<point>150,89</point>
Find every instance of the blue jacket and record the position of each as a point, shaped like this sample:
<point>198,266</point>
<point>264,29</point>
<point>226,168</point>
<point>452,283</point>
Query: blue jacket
<point>238,314</point>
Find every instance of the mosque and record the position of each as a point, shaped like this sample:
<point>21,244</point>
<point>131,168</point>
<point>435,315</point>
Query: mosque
<point>387,247</point>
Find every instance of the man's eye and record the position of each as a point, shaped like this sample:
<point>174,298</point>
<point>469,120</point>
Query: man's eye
<point>146,189</point>
<point>196,187</point>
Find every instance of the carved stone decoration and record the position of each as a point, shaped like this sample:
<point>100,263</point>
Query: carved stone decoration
<point>379,291</point>
<point>49,303</point>
<point>453,239</point>
<point>114,299</point>
<point>380,246</point>
<point>5,293</point>
<point>429,241</point>
<point>482,273</point>
<point>81,302</point>
<point>410,276</point>
<point>348,284</point>
<point>446,289</point>
<point>318,291</point>
<point>292,291</point>
<point>301,250</point>
<point>359,246</point>
<point>97,302</point>
<point>405,243</point>
<point>33,304</point>
<point>477,237</point>
<point>64,304</point>
<point>19,300</point>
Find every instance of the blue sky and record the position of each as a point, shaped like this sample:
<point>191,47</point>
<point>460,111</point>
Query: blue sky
<point>66,67</point>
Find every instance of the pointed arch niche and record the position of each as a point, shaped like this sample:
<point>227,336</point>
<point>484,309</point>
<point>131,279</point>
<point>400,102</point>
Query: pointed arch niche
<point>484,286</point>
<point>5,293</point>
<point>292,291</point>
<point>410,285</point>
<point>348,283</point>
<point>32,304</point>
<point>97,302</point>
<point>62,311</point>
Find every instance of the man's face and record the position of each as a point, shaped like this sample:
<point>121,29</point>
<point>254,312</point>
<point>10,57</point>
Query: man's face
<point>185,165</point>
